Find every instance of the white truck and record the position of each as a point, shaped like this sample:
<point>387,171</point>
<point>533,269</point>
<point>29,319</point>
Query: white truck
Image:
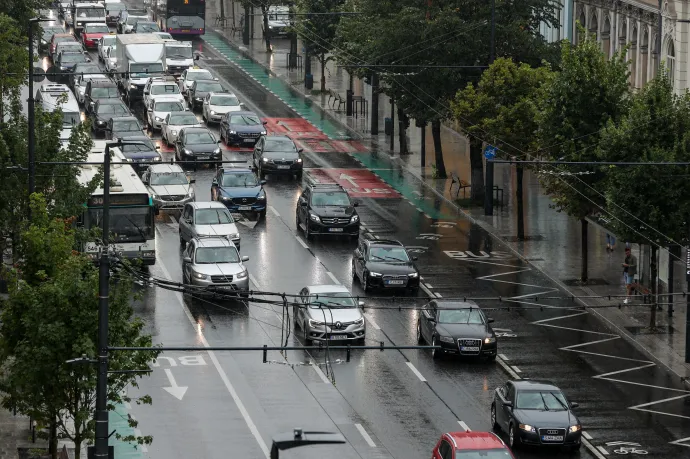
<point>139,57</point>
<point>178,56</point>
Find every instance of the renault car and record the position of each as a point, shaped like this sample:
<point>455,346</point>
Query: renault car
<point>328,312</point>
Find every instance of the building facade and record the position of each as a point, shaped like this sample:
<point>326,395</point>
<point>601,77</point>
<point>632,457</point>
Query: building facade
<point>565,31</point>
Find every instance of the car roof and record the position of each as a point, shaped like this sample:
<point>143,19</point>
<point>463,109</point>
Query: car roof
<point>230,169</point>
<point>467,304</point>
<point>137,137</point>
<point>384,242</point>
<point>166,99</point>
<point>64,35</point>
<point>103,82</point>
<point>160,168</point>
<point>216,93</point>
<point>328,288</point>
<point>476,440</point>
<point>196,129</point>
<point>213,241</point>
<point>111,101</point>
<point>535,384</point>
<point>127,118</point>
<point>243,112</point>
<point>207,205</point>
<point>95,23</point>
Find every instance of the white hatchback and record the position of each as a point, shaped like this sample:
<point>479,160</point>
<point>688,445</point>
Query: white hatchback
<point>174,123</point>
<point>217,104</point>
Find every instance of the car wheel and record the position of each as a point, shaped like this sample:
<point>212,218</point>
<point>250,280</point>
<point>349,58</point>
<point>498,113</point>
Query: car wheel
<point>513,440</point>
<point>354,272</point>
<point>294,316</point>
<point>420,337</point>
<point>435,353</point>
<point>298,176</point>
<point>262,175</point>
<point>414,291</point>
<point>182,242</point>
<point>494,424</point>
<point>365,282</point>
<point>307,231</point>
<point>262,214</point>
<point>575,448</point>
<point>305,335</point>
<point>203,116</point>
<point>491,358</point>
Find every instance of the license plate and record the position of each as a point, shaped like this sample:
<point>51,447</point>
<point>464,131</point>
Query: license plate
<point>283,167</point>
<point>202,157</point>
<point>335,230</point>
<point>332,337</point>
<point>552,438</point>
<point>395,282</point>
<point>248,140</point>
<point>244,208</point>
<point>185,30</point>
<point>469,348</point>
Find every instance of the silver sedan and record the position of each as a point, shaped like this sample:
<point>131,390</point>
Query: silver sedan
<point>174,122</point>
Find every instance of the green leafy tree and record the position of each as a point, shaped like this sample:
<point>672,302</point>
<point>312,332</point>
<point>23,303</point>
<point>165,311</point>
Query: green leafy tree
<point>51,317</point>
<point>503,107</point>
<point>22,10</point>
<point>13,61</point>
<point>648,204</point>
<point>587,93</point>
<point>318,31</point>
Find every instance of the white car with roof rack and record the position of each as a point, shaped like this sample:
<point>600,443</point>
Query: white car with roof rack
<point>162,87</point>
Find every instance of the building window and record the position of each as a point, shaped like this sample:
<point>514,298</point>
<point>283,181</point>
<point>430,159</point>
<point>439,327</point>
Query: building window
<point>671,61</point>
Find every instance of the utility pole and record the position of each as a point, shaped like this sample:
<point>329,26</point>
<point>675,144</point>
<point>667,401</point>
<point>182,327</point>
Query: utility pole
<point>687,305</point>
<point>492,54</point>
<point>32,112</point>
<point>489,171</point>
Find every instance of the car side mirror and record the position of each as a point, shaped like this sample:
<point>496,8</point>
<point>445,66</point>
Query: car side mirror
<point>574,404</point>
<point>509,404</point>
<point>355,204</point>
<point>490,320</point>
<point>190,220</point>
<point>303,203</point>
<point>197,57</point>
<point>186,260</point>
<point>263,182</point>
<point>300,150</point>
<point>218,142</point>
<point>415,258</point>
<point>192,181</point>
<point>264,123</point>
<point>360,257</point>
<point>245,258</point>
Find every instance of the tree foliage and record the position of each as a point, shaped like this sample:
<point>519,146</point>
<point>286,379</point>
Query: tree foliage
<point>13,60</point>
<point>51,317</point>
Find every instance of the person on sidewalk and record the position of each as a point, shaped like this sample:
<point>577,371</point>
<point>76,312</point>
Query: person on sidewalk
<point>629,272</point>
<point>610,242</point>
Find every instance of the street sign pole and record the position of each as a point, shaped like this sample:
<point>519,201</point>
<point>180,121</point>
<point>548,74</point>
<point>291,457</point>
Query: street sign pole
<point>489,154</point>
<point>687,307</point>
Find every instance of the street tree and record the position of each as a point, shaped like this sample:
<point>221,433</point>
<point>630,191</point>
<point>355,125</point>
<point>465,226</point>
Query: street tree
<point>503,108</point>
<point>22,10</point>
<point>13,60</point>
<point>52,317</point>
<point>588,92</point>
<point>318,31</point>
<point>648,204</point>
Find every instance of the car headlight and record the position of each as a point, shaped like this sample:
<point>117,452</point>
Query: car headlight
<point>354,219</point>
<point>265,160</point>
<point>314,323</point>
<point>270,27</point>
<point>234,235</point>
<point>527,428</point>
<point>446,339</point>
<point>158,118</point>
<point>198,99</point>
<point>359,321</point>
<point>200,276</point>
<point>231,132</point>
<point>216,151</point>
<point>413,275</point>
<point>373,274</point>
<point>241,275</point>
<point>173,132</point>
<point>157,158</point>
<point>299,160</point>
<point>575,428</point>
<point>154,195</point>
<point>314,218</point>
<point>132,86</point>
<point>262,133</point>
<point>187,151</point>
<point>261,197</point>
<point>489,340</point>
<point>100,123</point>
<point>213,112</point>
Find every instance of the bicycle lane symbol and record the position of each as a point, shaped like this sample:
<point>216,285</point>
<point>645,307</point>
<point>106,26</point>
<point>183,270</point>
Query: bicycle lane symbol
<point>625,447</point>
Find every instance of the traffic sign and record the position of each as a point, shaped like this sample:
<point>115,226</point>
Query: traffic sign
<point>490,152</point>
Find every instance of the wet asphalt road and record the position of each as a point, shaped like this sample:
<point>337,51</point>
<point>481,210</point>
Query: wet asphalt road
<point>391,403</point>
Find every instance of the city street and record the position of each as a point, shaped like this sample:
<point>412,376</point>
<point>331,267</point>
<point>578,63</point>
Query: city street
<point>391,403</point>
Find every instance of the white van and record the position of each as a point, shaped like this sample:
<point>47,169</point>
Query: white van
<point>50,96</point>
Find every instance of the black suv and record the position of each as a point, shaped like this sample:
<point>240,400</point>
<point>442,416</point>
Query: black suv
<point>97,89</point>
<point>327,209</point>
<point>379,263</point>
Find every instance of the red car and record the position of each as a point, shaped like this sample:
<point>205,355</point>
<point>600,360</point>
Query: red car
<point>470,445</point>
<point>92,33</point>
<point>60,37</point>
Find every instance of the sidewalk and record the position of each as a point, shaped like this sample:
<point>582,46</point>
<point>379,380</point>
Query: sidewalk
<point>14,434</point>
<point>550,235</point>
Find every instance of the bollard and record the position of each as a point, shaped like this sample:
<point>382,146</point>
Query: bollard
<point>347,359</point>
<point>265,353</point>
<point>381,344</point>
<point>348,102</point>
<point>33,432</point>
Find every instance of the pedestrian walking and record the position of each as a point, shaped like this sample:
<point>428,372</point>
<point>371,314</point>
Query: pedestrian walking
<point>610,242</point>
<point>629,273</point>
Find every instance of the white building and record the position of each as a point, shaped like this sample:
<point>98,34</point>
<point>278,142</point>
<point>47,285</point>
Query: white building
<point>565,31</point>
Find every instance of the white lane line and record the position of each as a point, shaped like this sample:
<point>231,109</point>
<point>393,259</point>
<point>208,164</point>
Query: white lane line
<point>172,218</point>
<point>273,211</point>
<point>602,450</point>
<point>144,449</point>
<point>502,356</point>
<point>416,372</point>
<point>302,243</point>
<point>507,368</point>
<point>252,279</point>
<point>373,324</point>
<point>319,372</point>
<point>223,376</point>
<point>429,286</point>
<point>438,295</point>
<point>516,369</point>
<point>586,435</point>
<point>366,436</point>
<point>333,278</point>
<point>465,427</point>
<point>426,290</point>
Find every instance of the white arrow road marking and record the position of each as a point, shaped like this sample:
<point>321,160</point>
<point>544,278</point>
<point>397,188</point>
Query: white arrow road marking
<point>174,390</point>
<point>349,179</point>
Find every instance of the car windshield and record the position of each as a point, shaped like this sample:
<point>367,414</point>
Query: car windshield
<point>90,12</point>
<point>145,145</point>
<point>394,254</point>
<point>207,255</point>
<point>237,179</point>
<point>113,109</point>
<point>72,58</point>
<point>203,75</point>
<point>144,70</point>
<point>330,198</point>
<point>169,178</point>
<point>64,39</point>
<point>198,138</point>
<point>183,120</point>
<point>164,89</point>
<point>178,52</point>
<point>544,400</point>
<point>209,87</point>
<point>338,299</point>
<point>224,101</point>
<point>104,93</point>
<point>245,120</point>
<point>168,107</point>
<point>460,316</point>
<point>483,454</point>
<point>131,20</point>
<point>164,36</point>
<point>126,125</point>
<point>48,32</point>
<point>213,217</point>
<point>97,29</point>
<point>279,145</point>
<point>147,27</point>
<point>70,119</point>
<point>109,40</point>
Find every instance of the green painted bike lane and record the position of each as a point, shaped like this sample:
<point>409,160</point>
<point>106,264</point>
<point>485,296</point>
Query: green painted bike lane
<point>406,184</point>
<point>118,420</point>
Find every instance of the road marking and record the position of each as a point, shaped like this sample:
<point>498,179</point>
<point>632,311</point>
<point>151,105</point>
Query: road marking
<point>516,369</point>
<point>333,278</point>
<point>137,433</point>
<point>416,372</point>
<point>373,324</point>
<point>426,290</point>
<point>321,374</point>
<point>602,450</point>
<point>302,243</point>
<point>586,435</point>
<point>438,295</point>
<point>464,426</point>
<point>507,368</point>
<point>274,211</point>
<point>366,436</point>
<point>503,356</point>
<point>223,376</point>
<point>252,279</point>
<point>429,286</point>
<point>172,218</point>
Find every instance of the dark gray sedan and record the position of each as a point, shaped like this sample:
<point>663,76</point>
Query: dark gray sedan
<point>124,126</point>
<point>104,110</point>
<point>197,144</point>
<point>199,89</point>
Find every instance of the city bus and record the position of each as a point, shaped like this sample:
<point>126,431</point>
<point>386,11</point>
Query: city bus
<point>132,211</point>
<point>180,17</point>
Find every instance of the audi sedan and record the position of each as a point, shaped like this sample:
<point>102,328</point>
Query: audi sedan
<point>379,263</point>
<point>197,144</point>
<point>535,413</point>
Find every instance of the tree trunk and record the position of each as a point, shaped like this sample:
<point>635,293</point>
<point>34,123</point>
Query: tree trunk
<point>403,124</point>
<point>436,134</point>
<point>53,441</point>
<point>583,267</point>
<point>267,33</point>
<point>323,72</point>
<point>653,283</point>
<point>477,170</point>
<point>520,205</point>
<point>77,442</point>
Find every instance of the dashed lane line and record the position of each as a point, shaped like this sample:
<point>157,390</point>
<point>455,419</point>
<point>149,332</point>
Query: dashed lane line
<point>273,211</point>
<point>602,450</point>
<point>516,369</point>
<point>586,435</point>
<point>333,278</point>
<point>320,372</point>
<point>373,324</point>
<point>416,372</point>
<point>426,290</point>
<point>464,426</point>
<point>507,368</point>
<point>301,242</point>
<point>366,436</point>
<point>503,357</point>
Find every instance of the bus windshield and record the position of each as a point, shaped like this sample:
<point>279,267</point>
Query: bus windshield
<point>127,224</point>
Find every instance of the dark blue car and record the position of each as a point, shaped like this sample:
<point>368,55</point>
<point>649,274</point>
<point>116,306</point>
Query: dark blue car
<point>240,190</point>
<point>141,149</point>
<point>241,128</point>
